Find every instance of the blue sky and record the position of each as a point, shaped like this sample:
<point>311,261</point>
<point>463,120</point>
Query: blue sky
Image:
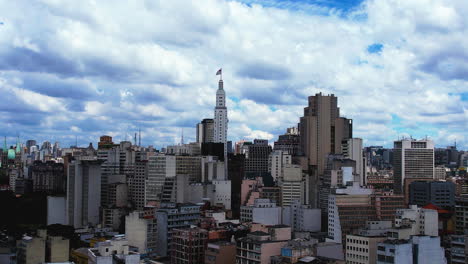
<point>88,68</point>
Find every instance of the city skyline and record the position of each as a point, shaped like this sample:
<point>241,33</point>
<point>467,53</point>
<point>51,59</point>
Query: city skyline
<point>85,74</point>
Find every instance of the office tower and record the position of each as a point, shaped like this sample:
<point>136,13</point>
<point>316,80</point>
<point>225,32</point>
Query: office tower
<point>29,144</point>
<point>352,149</point>
<point>160,167</point>
<point>339,172</point>
<point>220,117</point>
<point>441,194</point>
<point>83,193</point>
<point>292,185</point>
<point>117,160</point>
<point>137,184</point>
<point>276,161</point>
<point>140,231</point>
<point>289,142</point>
<point>322,130</point>
<point>205,131</point>
<point>189,245</point>
<point>172,216</point>
<point>412,160</point>
<point>235,175</point>
<point>256,162</point>
<point>348,212</point>
<point>48,177</point>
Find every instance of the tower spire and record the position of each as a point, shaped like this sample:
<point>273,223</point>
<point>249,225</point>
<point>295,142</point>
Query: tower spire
<point>139,137</point>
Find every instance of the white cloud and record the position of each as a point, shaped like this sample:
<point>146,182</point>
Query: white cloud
<point>153,63</point>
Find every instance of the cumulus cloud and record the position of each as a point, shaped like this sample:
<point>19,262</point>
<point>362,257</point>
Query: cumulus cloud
<point>96,67</point>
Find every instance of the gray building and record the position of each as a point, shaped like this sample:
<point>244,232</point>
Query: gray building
<point>412,159</point>
<point>83,193</point>
<point>169,217</point>
<point>256,162</point>
<point>441,194</point>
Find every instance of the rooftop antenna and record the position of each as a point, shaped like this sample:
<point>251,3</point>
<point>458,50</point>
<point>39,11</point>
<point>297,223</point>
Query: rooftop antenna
<point>76,141</point>
<point>455,143</point>
<point>139,137</point>
<point>135,138</point>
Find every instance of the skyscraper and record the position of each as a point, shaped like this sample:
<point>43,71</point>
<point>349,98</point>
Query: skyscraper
<point>220,117</point>
<point>412,160</point>
<point>322,130</point>
<point>205,131</point>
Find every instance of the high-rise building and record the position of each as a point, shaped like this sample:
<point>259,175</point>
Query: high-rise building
<point>220,117</point>
<point>48,177</point>
<point>322,130</point>
<point>412,159</point>
<point>83,193</point>
<point>29,144</point>
<point>169,217</point>
<point>205,131</point>
<point>188,245</point>
<point>293,187</point>
<point>140,231</point>
<point>352,149</point>
<point>256,162</point>
<point>289,142</point>
<point>276,161</point>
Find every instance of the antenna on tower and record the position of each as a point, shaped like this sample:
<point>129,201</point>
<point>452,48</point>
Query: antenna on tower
<point>76,141</point>
<point>139,137</point>
<point>182,137</point>
<point>135,138</point>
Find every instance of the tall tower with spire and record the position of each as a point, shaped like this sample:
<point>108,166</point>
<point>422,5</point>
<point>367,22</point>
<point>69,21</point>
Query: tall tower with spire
<point>220,116</point>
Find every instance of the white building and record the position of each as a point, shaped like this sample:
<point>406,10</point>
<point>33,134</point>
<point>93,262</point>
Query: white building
<point>220,118</point>
<point>276,161</point>
<point>301,217</point>
<point>362,249</point>
<point>107,252</point>
<point>222,193</point>
<point>83,193</point>
<point>292,185</point>
<point>412,159</point>
<point>140,232</point>
<point>352,149</point>
<point>212,169</point>
<point>417,250</point>
<point>422,221</point>
<point>263,212</point>
<point>56,210</point>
